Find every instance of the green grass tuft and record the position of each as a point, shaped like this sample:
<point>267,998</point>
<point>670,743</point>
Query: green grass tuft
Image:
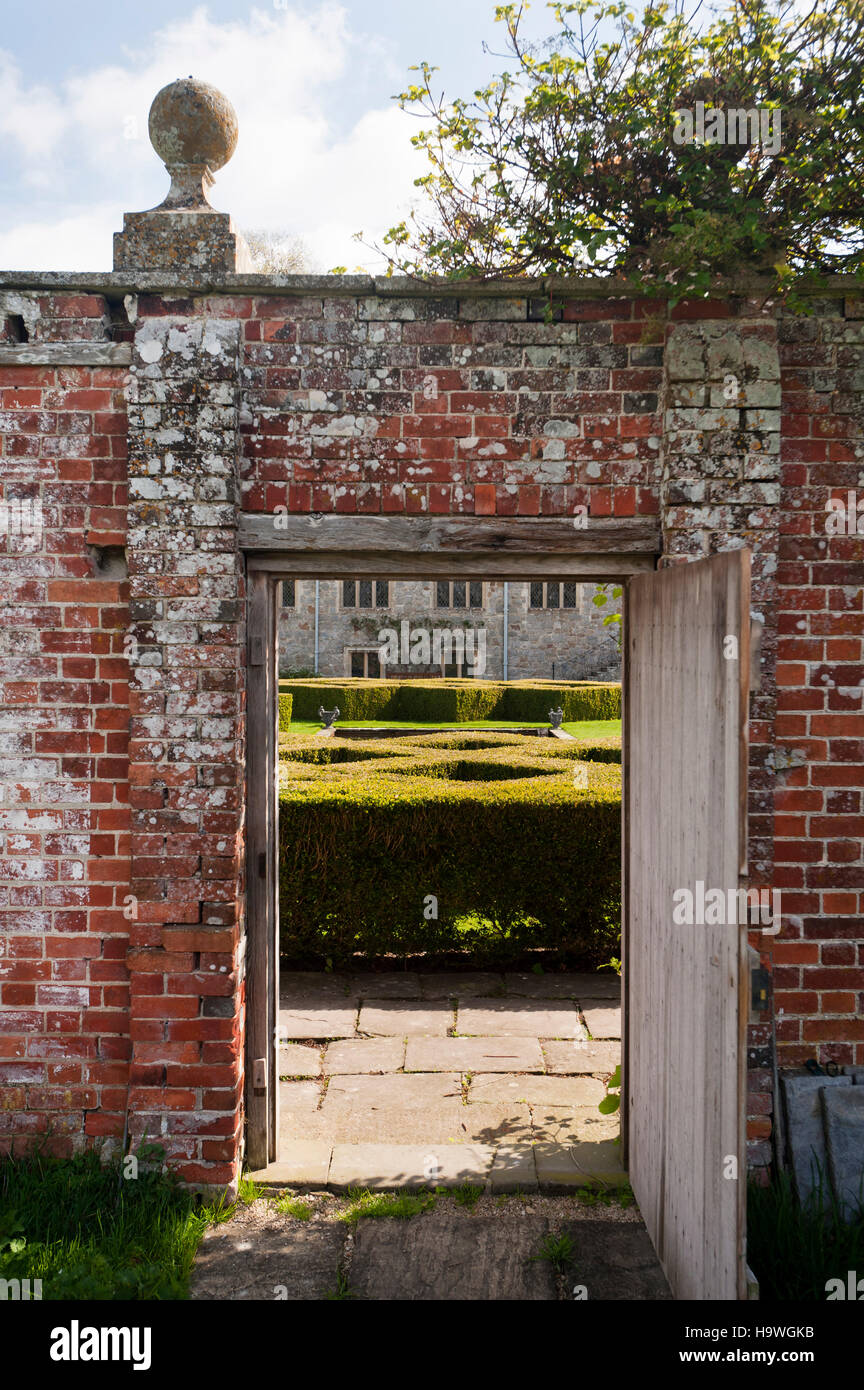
<point>401,1205</point>
<point>794,1250</point>
<point>89,1233</point>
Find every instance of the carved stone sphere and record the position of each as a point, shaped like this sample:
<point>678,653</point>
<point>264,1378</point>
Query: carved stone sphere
<point>192,123</point>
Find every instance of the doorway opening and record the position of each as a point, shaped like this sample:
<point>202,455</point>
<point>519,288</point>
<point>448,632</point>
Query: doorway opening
<point>646,659</point>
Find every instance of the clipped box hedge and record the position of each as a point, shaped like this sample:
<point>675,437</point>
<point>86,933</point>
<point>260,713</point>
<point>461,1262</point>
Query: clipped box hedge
<point>517,851</point>
<point>286,701</point>
<point>454,701</point>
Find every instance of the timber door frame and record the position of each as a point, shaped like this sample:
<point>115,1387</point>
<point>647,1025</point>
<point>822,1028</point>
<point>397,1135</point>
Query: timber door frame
<point>334,547</point>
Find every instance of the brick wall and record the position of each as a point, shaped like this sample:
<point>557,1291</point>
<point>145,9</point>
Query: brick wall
<point>357,402</point>
<point>819,753</point>
<point>64,814</point>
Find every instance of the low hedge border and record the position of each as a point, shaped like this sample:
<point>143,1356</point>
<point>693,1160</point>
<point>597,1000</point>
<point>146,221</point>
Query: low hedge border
<point>525,857</point>
<point>332,751</point>
<point>456,701</point>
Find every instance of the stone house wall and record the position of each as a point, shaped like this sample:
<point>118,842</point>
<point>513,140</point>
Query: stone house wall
<point>563,643</point>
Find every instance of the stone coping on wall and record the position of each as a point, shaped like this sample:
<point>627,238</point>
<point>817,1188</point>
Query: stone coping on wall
<point>132,282</point>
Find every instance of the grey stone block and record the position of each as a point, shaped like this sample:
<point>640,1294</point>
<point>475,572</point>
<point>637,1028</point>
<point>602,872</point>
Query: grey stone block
<point>843,1111</point>
<point>438,1257</point>
<point>616,1262</point>
<point>805,1133</point>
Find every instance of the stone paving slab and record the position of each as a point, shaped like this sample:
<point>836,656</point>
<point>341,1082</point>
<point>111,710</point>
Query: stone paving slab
<point>473,1054</point>
<point>435,1259</point>
<point>295,1060</point>
<point>356,1055</point>
<point>317,1018</point>
<point>296,985</point>
<point>299,1097</point>
<point>258,1255</point>
<point>561,1167</point>
<point>456,985</point>
<point>603,1020</point>
<point>401,984</point>
<point>444,1123</point>
<point>573,1058</point>
<point>525,1018</point>
<point>396,1091</point>
<point>572,1124</point>
<point>564,985</point>
<point>514,1169</point>
<point>498,1124</point>
<point>537,1090</point>
<point>395,1018</point>
<point>409,1165</point>
<point>303,1162</point>
<point>616,1261</point>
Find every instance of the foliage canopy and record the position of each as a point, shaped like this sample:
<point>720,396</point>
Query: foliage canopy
<point>566,162</point>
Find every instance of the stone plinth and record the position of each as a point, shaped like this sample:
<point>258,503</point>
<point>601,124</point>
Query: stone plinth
<point>180,241</point>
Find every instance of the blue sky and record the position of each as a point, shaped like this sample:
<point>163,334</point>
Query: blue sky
<point>323,152</point>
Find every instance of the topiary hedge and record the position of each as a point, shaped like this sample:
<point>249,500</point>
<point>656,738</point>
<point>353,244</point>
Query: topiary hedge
<point>286,700</point>
<point>454,701</point>
<point>519,848</point>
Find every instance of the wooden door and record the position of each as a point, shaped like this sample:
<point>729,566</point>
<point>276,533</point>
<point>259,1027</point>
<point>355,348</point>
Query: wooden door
<point>685,767</point>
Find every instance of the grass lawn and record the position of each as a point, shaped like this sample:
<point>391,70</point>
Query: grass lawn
<point>89,1233</point>
<point>586,728</point>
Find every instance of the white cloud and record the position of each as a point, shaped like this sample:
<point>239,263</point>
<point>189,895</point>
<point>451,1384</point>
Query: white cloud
<point>84,146</point>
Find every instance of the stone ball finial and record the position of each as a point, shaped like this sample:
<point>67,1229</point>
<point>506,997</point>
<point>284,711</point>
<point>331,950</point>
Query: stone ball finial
<point>193,129</point>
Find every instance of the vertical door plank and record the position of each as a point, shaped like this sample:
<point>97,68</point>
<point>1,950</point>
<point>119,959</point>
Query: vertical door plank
<point>685,770</point>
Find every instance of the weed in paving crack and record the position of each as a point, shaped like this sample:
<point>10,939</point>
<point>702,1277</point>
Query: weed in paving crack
<point>401,1205</point>
<point>558,1251</point>
<point>288,1205</point>
<point>342,1291</point>
<point>467,1195</point>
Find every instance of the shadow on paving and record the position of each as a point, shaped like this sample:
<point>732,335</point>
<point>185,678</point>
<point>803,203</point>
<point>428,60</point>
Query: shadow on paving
<point>447,1253</point>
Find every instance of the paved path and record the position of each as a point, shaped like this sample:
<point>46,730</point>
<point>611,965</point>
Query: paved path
<point>493,1250</point>
<point>410,1080</point>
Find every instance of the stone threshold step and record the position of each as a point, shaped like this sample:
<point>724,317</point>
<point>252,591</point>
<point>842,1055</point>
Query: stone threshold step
<point>496,1168</point>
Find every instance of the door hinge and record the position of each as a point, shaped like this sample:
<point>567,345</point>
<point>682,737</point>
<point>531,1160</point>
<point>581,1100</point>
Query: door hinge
<point>259,1074</point>
<point>760,982</point>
